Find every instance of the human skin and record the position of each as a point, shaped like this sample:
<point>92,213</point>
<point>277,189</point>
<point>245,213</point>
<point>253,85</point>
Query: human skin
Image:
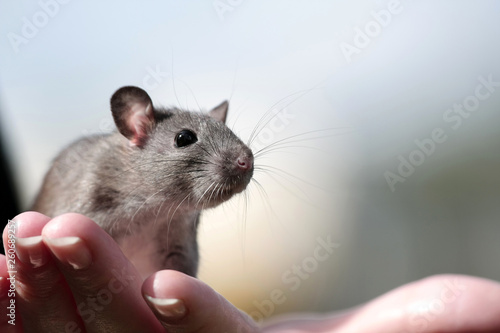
<point>69,263</point>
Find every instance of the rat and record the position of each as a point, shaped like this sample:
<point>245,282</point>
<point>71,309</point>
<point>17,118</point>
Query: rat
<point>147,182</point>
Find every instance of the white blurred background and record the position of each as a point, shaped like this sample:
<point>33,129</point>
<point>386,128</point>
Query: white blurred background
<point>365,85</point>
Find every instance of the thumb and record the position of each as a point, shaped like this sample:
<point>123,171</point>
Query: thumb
<point>184,304</point>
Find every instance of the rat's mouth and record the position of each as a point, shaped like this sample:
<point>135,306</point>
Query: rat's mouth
<point>225,191</point>
<point>230,191</point>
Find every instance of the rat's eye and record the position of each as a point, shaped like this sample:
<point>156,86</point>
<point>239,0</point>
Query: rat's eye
<point>185,138</point>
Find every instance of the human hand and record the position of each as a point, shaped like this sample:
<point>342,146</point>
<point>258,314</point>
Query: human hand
<point>72,277</point>
<point>55,279</point>
<point>441,303</point>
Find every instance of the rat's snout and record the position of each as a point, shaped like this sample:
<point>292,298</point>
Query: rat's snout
<point>232,172</point>
<point>245,162</point>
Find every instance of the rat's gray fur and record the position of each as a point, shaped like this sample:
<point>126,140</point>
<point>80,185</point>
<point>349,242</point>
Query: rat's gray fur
<point>154,189</point>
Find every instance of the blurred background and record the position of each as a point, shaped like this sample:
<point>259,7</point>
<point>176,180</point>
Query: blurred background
<point>384,117</point>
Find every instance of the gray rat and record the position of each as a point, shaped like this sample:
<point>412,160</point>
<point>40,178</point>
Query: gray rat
<point>147,183</point>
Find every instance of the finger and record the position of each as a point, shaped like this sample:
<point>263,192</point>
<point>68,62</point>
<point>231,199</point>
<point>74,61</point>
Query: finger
<point>105,285</point>
<point>443,303</point>
<point>455,303</point>
<point>43,299</point>
<point>8,322</point>
<point>185,304</point>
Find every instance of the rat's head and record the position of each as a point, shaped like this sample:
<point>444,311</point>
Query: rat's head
<point>190,157</point>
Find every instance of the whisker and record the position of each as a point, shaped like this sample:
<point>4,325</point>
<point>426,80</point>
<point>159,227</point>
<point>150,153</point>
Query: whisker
<point>201,197</point>
<point>192,93</point>
<point>274,172</point>
<point>234,81</point>
<point>269,209</point>
<point>173,81</point>
<point>303,137</point>
<point>238,116</point>
<point>158,211</point>
<point>142,205</point>
<point>262,122</point>
<point>169,223</point>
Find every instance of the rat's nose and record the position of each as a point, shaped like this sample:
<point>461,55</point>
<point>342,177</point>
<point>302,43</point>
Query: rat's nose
<point>245,163</point>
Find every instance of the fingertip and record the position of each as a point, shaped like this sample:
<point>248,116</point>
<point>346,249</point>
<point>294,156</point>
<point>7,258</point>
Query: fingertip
<point>183,303</point>
<point>30,215</point>
<point>26,224</point>
<point>168,283</point>
<point>76,225</point>
<point>70,250</point>
<point>3,271</point>
<point>66,225</point>
<point>170,294</point>
<point>170,308</point>
<point>3,277</point>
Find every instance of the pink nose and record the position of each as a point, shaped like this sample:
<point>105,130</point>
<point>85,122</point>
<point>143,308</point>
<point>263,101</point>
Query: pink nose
<point>245,163</point>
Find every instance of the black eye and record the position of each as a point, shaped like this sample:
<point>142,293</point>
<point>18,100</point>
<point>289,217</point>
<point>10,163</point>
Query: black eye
<point>185,138</point>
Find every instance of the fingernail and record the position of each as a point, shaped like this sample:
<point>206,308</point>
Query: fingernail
<point>168,307</point>
<point>70,250</point>
<point>31,251</point>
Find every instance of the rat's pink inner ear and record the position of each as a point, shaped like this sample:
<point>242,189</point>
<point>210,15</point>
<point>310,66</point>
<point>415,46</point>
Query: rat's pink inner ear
<point>220,112</point>
<point>133,113</point>
<point>140,122</point>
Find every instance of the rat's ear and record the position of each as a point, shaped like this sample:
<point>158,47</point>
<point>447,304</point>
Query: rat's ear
<point>220,112</point>
<point>132,111</point>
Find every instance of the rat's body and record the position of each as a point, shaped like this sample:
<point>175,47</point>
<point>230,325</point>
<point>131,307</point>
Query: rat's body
<point>147,184</point>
